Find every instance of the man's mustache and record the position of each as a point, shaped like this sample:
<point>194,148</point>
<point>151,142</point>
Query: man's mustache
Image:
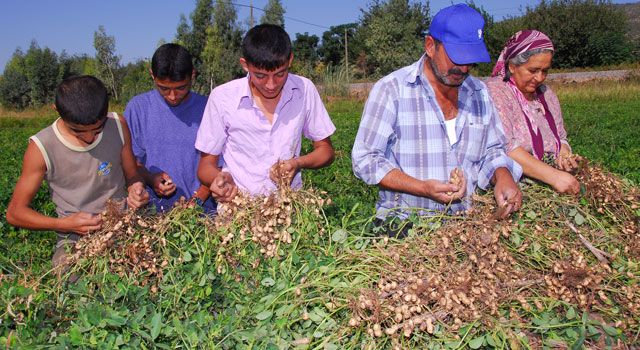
<point>457,71</point>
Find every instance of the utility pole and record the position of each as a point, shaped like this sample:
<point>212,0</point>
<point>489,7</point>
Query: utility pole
<point>346,54</point>
<point>251,14</point>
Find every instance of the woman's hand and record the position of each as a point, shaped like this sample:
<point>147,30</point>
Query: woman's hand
<point>565,183</point>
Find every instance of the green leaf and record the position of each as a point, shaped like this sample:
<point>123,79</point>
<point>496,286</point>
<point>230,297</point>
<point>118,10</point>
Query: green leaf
<point>535,246</point>
<point>531,214</point>
<point>571,313</point>
<point>264,315</point>
<point>75,335</point>
<point>476,343</point>
<point>156,325</point>
<point>331,346</point>
<point>612,331</point>
<point>268,282</point>
<point>573,212</point>
<point>313,316</point>
<point>186,257</point>
<point>115,320</point>
<point>516,239</point>
<point>579,219</point>
<point>491,341</point>
<point>339,236</point>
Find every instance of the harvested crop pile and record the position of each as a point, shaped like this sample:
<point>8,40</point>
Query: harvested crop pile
<point>274,272</point>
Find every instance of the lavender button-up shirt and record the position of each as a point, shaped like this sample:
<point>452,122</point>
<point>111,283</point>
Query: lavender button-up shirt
<point>234,127</point>
<point>402,127</point>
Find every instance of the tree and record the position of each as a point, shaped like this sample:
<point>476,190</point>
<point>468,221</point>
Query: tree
<point>392,33</point>
<point>14,85</point>
<point>585,33</point>
<point>305,47</point>
<point>212,57</point>
<point>108,61</point>
<point>41,68</point>
<point>200,20</point>
<point>135,79</point>
<point>332,49</point>
<point>305,53</point>
<point>273,13</point>
<point>219,58</point>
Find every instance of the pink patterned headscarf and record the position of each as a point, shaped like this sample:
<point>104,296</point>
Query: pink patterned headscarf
<point>520,42</point>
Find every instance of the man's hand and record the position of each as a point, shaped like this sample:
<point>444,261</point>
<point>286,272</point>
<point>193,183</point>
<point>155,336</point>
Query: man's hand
<point>507,194</point>
<point>81,223</point>
<point>163,185</point>
<point>565,183</point>
<point>444,193</point>
<point>284,170</point>
<point>138,195</point>
<point>223,188</point>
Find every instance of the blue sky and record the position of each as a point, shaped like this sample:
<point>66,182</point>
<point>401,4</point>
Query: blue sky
<point>138,25</point>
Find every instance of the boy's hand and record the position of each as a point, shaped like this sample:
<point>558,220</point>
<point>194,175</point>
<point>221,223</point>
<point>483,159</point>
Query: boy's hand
<point>223,188</point>
<point>163,185</point>
<point>284,169</point>
<point>138,195</point>
<point>202,193</point>
<point>81,223</point>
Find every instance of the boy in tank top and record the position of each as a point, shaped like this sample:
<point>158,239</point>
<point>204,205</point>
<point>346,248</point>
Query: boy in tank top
<point>86,158</point>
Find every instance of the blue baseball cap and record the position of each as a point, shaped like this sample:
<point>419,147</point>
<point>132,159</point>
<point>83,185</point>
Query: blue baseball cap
<point>461,30</point>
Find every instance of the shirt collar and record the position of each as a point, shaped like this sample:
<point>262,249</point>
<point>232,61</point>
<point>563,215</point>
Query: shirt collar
<point>245,98</point>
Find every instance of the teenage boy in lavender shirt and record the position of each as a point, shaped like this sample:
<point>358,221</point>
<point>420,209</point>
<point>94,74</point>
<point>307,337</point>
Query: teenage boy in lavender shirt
<point>255,123</point>
<point>163,124</point>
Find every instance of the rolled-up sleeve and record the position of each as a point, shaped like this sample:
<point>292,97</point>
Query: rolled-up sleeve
<point>376,134</point>
<point>495,156</point>
<point>212,134</point>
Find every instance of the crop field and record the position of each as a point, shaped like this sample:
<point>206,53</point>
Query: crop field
<point>305,269</point>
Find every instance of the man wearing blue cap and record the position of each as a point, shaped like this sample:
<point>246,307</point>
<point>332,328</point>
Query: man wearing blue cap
<point>429,132</point>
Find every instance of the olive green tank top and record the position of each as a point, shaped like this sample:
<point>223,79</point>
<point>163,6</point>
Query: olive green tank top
<point>82,179</point>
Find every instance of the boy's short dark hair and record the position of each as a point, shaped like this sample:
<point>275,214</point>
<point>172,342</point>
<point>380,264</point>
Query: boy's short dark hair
<point>173,62</point>
<point>82,100</point>
<point>266,46</point>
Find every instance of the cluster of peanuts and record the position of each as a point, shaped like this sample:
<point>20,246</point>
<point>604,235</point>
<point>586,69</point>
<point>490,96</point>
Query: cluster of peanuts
<point>129,241</point>
<point>266,220</point>
<point>606,192</point>
<point>455,290</point>
<point>574,281</point>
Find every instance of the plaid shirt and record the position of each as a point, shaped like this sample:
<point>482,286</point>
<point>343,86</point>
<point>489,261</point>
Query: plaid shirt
<point>402,127</point>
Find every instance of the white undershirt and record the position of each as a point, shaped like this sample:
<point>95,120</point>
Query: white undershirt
<point>451,130</point>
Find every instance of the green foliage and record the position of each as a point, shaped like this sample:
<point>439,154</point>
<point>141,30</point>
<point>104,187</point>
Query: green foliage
<point>332,49</point>
<point>392,33</point>
<point>135,79</point>
<point>585,33</point>
<point>217,60</point>
<point>107,60</point>
<point>273,13</point>
<point>305,47</point>
<point>14,87</point>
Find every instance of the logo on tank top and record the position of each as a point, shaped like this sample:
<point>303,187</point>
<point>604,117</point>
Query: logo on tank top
<point>104,168</point>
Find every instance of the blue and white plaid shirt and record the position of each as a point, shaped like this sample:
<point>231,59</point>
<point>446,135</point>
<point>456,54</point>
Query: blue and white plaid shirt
<point>403,128</point>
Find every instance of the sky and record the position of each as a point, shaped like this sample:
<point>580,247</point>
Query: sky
<point>138,25</point>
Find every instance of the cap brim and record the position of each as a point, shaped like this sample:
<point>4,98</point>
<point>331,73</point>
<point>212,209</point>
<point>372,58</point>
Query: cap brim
<point>467,53</point>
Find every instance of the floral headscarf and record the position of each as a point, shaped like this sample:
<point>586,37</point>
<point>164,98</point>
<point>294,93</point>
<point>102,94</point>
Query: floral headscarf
<point>520,42</point>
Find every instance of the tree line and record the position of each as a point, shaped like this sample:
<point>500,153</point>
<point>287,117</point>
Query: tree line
<point>388,35</point>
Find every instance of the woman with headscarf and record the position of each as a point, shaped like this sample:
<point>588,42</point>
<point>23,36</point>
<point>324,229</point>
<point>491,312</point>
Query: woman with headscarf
<point>530,111</point>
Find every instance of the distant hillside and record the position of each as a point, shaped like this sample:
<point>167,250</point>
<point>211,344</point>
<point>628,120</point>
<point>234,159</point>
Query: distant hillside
<point>633,12</point>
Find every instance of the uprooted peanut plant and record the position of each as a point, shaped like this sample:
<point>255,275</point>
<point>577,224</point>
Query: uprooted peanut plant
<point>273,271</point>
